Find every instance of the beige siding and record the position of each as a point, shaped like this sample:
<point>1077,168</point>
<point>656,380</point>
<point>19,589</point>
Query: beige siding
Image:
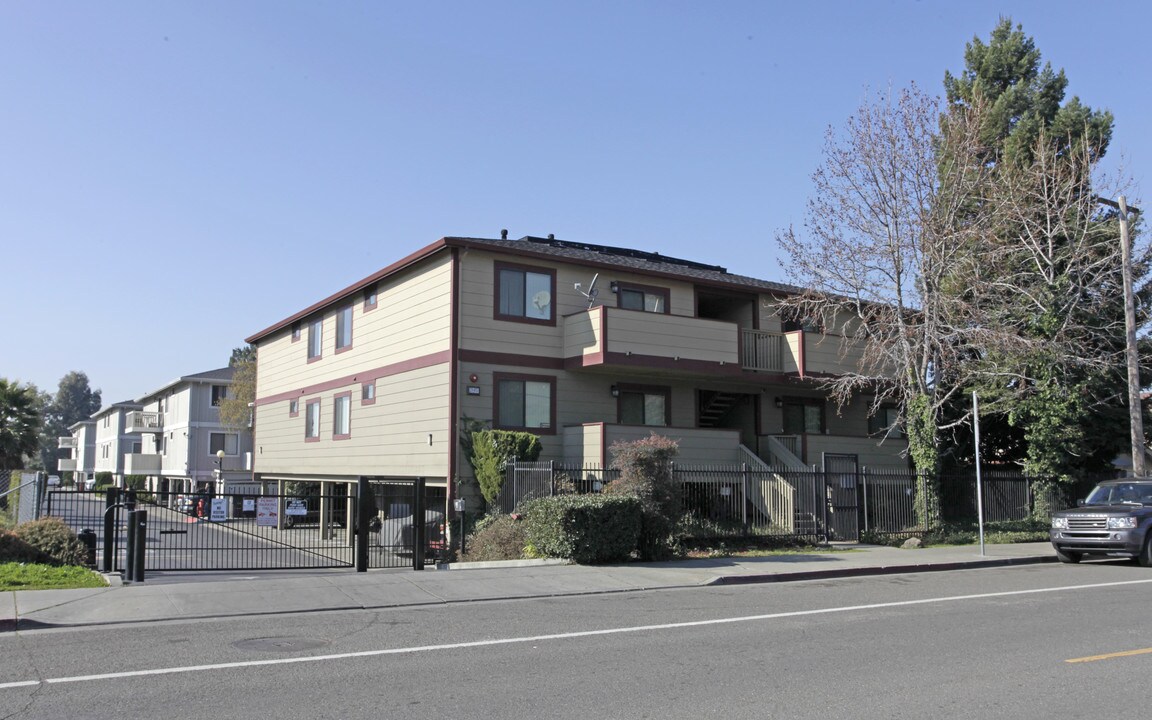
<point>631,331</point>
<point>389,437</point>
<point>582,333</point>
<point>869,451</point>
<point>827,354</point>
<point>411,323</point>
<point>412,319</point>
<point>479,330</point>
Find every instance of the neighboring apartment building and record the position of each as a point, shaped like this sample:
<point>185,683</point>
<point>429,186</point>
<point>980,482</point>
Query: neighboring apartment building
<point>581,344</point>
<point>82,444</point>
<point>183,438</point>
<point>114,439</point>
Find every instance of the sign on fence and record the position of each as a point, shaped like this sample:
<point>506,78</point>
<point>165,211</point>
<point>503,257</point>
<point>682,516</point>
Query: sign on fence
<point>267,511</point>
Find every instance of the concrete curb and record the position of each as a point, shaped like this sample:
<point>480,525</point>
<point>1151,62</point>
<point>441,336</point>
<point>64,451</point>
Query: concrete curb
<point>879,570</point>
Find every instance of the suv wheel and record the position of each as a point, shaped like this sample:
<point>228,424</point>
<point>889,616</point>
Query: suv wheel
<point>1145,556</point>
<point>1067,556</point>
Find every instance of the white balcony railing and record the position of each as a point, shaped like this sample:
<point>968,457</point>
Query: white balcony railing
<point>140,421</point>
<point>66,443</point>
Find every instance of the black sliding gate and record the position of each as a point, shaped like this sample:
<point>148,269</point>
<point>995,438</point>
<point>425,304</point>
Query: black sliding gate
<point>251,532</point>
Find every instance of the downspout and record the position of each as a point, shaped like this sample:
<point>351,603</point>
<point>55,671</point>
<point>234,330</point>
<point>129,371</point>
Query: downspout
<point>454,390</point>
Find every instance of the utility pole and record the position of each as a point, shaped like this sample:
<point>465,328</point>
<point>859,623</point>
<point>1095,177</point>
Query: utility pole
<point>1135,407</point>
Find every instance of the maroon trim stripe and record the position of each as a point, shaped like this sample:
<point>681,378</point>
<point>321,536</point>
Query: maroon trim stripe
<point>399,368</point>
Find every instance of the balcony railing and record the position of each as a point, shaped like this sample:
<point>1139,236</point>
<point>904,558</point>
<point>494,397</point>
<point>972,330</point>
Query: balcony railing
<point>140,421</point>
<point>762,350</point>
<point>66,443</point>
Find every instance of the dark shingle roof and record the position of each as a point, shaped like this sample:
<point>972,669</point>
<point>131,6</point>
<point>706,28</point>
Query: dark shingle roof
<point>628,259</point>
<point>588,254</point>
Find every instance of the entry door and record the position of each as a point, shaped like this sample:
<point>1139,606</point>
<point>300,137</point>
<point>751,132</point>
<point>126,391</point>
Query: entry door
<point>841,474</point>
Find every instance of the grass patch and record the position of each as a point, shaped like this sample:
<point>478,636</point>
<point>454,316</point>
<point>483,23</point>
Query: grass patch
<point>32,576</point>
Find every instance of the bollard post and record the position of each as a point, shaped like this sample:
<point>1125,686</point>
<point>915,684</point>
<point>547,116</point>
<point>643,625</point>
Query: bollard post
<point>140,530</point>
<point>130,545</point>
<point>419,520</point>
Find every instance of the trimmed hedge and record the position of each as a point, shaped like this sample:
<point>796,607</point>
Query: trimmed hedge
<point>587,529</point>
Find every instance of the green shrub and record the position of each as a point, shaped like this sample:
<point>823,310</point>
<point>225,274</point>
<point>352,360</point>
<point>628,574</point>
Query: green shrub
<point>13,549</point>
<point>491,451</point>
<point>585,528</point>
<point>103,480</point>
<point>497,537</point>
<point>55,539</point>
<point>646,473</point>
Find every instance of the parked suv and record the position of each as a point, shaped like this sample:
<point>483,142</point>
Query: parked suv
<point>1113,520</point>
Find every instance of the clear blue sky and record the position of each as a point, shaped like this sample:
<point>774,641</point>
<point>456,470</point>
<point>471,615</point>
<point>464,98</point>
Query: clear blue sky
<point>175,176</point>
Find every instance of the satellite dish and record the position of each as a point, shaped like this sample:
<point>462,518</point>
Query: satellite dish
<point>591,293</point>
<point>541,299</point>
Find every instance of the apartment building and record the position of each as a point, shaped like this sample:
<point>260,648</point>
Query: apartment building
<point>114,440</point>
<point>81,445</point>
<point>578,343</point>
<point>185,447</point>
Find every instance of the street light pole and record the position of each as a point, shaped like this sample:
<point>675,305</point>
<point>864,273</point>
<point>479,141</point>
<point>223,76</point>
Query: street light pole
<point>1135,407</point>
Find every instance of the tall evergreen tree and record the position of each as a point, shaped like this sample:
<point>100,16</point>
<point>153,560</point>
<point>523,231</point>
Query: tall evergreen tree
<point>74,400</point>
<point>1044,275</point>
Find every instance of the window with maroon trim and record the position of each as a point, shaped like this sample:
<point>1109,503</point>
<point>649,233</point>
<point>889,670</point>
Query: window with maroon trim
<point>342,416</point>
<point>293,408</point>
<point>368,393</point>
<point>295,332</point>
<point>525,402</point>
<point>343,328</point>
<point>642,297</point>
<point>312,421</point>
<point>370,298</point>
<point>886,421</point>
<point>644,405</point>
<point>525,294</point>
<point>315,339</point>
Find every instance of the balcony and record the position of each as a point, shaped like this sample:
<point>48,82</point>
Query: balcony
<point>141,464</point>
<point>66,465</point>
<point>144,422</point>
<point>611,337</point>
<point>66,443</point>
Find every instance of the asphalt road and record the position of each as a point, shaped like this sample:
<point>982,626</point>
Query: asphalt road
<point>1039,641</point>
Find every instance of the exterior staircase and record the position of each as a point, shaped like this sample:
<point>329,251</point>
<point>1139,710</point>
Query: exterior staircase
<point>715,407</point>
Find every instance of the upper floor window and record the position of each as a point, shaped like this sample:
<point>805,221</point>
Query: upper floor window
<point>315,338</point>
<point>803,415</point>
<point>644,406</point>
<point>368,393</point>
<point>637,297</point>
<point>312,420</point>
<point>228,442</point>
<point>524,402</point>
<point>344,328</point>
<point>219,392</point>
<point>295,332</point>
<point>293,408</point>
<point>342,416</point>
<point>370,298</point>
<point>525,294</point>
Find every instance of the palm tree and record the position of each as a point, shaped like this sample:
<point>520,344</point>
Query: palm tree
<point>19,424</point>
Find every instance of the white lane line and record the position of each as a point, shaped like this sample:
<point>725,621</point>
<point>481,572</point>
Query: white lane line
<point>556,636</point>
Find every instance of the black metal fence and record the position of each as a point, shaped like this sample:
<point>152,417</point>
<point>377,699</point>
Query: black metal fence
<point>730,501</point>
<point>251,532</point>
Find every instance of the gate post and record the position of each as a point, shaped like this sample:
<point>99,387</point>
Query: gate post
<point>110,502</point>
<point>362,520</point>
<point>419,521</point>
<point>130,561</point>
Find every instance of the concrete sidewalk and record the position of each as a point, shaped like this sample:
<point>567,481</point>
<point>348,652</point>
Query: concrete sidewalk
<point>170,596</point>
